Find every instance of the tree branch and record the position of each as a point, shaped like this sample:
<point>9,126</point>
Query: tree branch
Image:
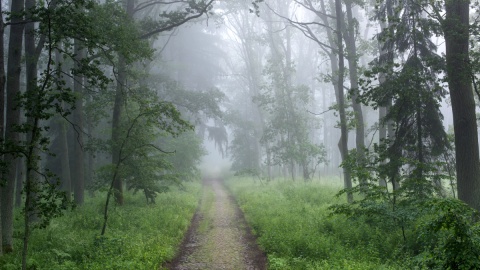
<point>174,25</point>
<point>153,3</point>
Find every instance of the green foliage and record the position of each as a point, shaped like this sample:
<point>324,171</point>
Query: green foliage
<point>196,103</point>
<point>140,236</point>
<point>411,91</point>
<point>188,153</point>
<point>438,233</point>
<point>143,162</point>
<point>243,148</point>
<point>287,129</point>
<point>396,204</point>
<point>450,236</point>
<point>297,232</point>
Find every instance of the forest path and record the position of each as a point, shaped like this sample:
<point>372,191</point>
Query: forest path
<point>218,237</point>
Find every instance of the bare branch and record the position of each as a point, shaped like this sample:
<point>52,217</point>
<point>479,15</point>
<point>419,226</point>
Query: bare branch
<point>304,27</point>
<point>153,3</point>
<point>332,109</point>
<point>313,9</point>
<point>174,25</point>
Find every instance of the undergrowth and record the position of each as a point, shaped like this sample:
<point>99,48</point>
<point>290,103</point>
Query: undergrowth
<point>297,231</point>
<point>139,236</point>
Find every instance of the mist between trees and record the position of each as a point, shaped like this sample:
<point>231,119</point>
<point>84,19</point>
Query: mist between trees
<point>101,98</point>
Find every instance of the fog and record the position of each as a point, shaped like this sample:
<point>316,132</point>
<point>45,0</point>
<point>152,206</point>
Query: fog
<point>245,55</point>
<point>137,101</point>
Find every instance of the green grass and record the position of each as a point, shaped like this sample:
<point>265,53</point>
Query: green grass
<point>207,204</point>
<point>295,229</point>
<point>138,236</point>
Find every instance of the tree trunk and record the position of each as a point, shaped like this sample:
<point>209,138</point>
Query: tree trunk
<point>19,181</point>
<point>12,119</point>
<point>33,95</point>
<point>343,143</point>
<point>116,131</point>
<point>2,106</point>
<point>62,129</point>
<point>386,55</point>
<point>456,29</point>
<point>382,134</point>
<point>78,167</point>
<point>117,115</point>
<point>66,181</point>
<point>353,72</point>
<point>90,158</point>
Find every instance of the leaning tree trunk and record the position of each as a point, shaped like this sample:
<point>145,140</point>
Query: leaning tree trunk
<point>456,30</point>
<point>12,119</point>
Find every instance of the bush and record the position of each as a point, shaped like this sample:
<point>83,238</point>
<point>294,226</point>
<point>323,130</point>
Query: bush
<point>449,237</point>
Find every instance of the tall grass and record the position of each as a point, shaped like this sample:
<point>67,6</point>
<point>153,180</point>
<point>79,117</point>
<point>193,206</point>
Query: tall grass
<point>295,228</point>
<point>138,236</point>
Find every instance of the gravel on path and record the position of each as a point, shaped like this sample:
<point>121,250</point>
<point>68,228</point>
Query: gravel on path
<point>224,240</point>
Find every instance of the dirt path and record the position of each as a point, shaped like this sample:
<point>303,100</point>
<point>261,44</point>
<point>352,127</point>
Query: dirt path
<point>219,237</point>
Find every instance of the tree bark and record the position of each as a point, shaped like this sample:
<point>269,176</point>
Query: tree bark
<point>62,129</point>
<point>343,143</point>
<point>353,72</point>
<point>12,119</point>
<point>117,115</point>
<point>386,56</point>
<point>19,181</point>
<point>2,106</point>
<point>456,30</point>
<point>78,167</point>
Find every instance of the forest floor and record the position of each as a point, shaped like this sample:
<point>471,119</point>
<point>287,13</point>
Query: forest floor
<point>219,237</point>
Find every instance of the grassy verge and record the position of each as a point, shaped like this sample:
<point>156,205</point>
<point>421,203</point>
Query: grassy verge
<point>295,229</point>
<point>206,205</point>
<point>139,236</point>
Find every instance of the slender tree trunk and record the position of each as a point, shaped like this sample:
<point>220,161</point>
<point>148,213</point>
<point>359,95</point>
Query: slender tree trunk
<point>343,143</point>
<point>31,69</point>
<point>62,128</point>
<point>65,178</point>
<point>78,167</point>
<point>90,158</point>
<point>456,29</point>
<point>382,135</point>
<point>12,119</point>
<point>33,95</point>
<point>2,107</point>
<point>353,72</point>
<point>334,65</point>
<point>117,114</point>
<point>386,55</point>
<point>19,181</point>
